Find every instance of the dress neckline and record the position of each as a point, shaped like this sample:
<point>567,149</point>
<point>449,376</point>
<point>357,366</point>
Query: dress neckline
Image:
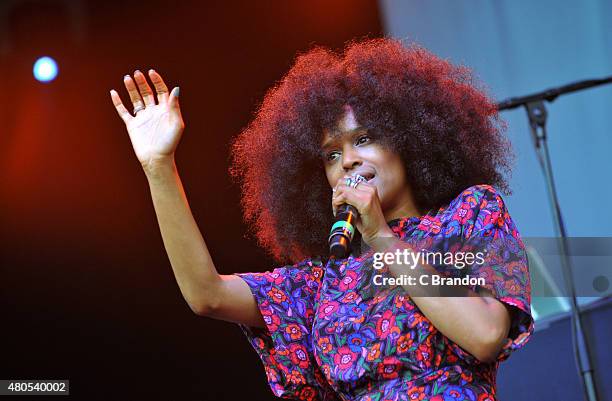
<point>398,226</point>
<point>407,220</point>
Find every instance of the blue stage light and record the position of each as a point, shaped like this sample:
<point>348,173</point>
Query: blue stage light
<point>45,69</point>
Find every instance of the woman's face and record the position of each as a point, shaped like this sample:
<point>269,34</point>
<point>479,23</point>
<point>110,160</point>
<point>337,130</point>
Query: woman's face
<point>350,150</point>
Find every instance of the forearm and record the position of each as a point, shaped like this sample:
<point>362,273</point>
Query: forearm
<point>191,262</point>
<point>478,324</point>
<point>466,321</point>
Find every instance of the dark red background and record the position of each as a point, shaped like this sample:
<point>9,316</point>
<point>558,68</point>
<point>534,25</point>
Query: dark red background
<point>86,289</point>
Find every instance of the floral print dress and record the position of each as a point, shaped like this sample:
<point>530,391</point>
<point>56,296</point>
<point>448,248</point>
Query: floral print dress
<point>332,335</point>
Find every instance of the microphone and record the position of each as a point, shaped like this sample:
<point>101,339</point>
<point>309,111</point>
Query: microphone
<point>341,233</point>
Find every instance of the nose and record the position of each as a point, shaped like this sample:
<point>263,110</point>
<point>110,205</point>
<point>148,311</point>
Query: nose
<point>350,158</point>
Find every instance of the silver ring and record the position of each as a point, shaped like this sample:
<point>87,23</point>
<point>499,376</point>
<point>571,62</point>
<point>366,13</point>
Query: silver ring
<point>138,107</point>
<point>357,179</point>
<point>351,182</point>
<point>354,180</point>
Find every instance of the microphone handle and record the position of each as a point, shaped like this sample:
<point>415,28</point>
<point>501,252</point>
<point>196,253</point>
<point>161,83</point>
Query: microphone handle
<point>343,230</point>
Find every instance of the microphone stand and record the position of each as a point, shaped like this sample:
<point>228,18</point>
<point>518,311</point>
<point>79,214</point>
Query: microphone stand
<point>536,112</point>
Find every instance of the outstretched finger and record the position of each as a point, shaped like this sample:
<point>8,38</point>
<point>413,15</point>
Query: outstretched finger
<point>173,101</point>
<point>144,88</point>
<point>160,86</point>
<point>130,85</point>
<point>121,110</point>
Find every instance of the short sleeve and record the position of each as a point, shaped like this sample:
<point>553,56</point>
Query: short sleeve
<point>501,260</point>
<point>286,297</point>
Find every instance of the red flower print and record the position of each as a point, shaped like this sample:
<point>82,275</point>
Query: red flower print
<point>276,278</point>
<point>349,280</point>
<point>415,319</point>
<point>349,297</point>
<point>432,225</point>
<point>404,343</point>
<point>324,345</point>
<point>416,394</point>
<point>271,373</point>
<point>424,225</point>
<point>424,354</point>
<point>375,343</point>
<point>298,355</point>
<point>271,319</point>
<point>512,286</point>
<point>277,295</point>
<point>296,377</point>
<point>373,353</point>
<point>464,213</point>
<point>386,325</point>
<point>308,393</point>
<point>345,358</point>
<point>435,227</point>
<point>399,300</point>
<point>294,331</point>
<point>389,368</point>
<point>327,308</point>
<point>492,218</point>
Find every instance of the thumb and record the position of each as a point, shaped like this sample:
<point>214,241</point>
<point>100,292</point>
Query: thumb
<point>174,95</point>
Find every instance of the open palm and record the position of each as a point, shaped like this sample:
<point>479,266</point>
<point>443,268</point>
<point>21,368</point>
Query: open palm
<point>155,129</point>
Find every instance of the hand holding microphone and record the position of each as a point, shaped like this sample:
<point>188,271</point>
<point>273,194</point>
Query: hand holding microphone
<point>358,207</point>
<point>342,232</point>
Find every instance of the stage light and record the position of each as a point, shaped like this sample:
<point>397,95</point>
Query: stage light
<point>45,69</point>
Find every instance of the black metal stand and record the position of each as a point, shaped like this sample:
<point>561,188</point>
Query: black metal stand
<point>537,120</point>
<point>536,111</point>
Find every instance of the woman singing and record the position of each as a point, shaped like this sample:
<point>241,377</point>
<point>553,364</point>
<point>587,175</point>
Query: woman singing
<point>407,140</point>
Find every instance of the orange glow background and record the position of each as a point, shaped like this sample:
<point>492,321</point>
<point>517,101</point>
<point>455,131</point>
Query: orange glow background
<point>86,287</point>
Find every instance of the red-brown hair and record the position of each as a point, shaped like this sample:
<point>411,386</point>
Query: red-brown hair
<point>446,130</point>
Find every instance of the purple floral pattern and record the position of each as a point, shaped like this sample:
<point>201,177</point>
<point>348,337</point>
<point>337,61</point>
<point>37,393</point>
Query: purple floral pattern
<point>332,335</point>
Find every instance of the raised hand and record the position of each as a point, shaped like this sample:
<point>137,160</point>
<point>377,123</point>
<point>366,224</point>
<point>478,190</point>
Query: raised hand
<point>155,128</point>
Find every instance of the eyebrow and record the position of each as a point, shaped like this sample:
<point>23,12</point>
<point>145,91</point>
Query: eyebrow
<point>335,135</point>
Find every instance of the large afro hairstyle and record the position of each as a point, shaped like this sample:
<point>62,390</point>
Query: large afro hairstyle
<point>445,128</point>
